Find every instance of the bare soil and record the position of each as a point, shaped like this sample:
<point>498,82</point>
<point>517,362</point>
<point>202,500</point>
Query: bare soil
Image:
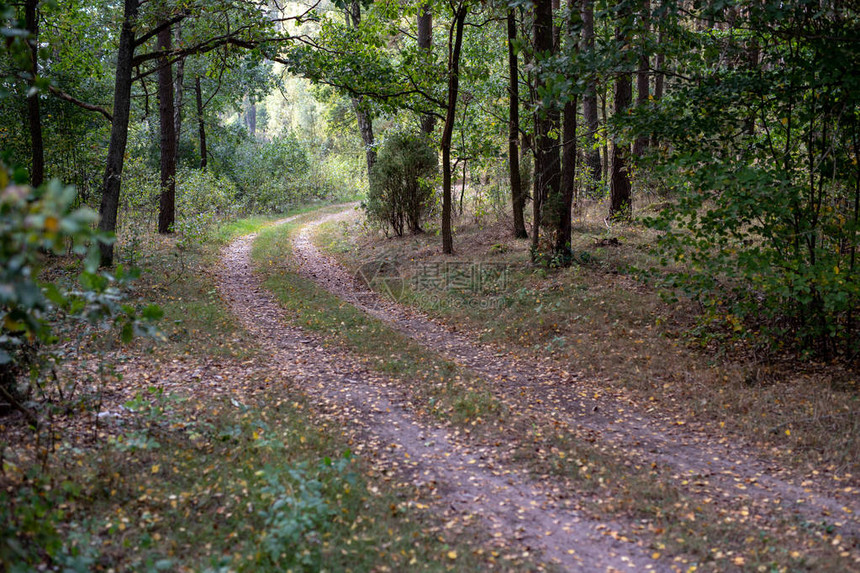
<point>712,467</point>
<point>466,481</point>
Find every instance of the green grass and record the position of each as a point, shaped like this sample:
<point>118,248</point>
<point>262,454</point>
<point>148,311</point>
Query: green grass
<point>597,319</point>
<point>252,484</point>
<point>228,472</point>
<point>441,387</point>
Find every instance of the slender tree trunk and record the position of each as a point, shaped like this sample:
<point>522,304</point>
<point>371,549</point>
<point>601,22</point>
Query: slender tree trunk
<point>517,196</point>
<point>589,101</point>
<point>119,128</point>
<point>365,128</point>
<point>619,207</point>
<point>178,89</point>
<point>448,130</point>
<point>201,122</point>
<point>167,206</point>
<point>659,75</point>
<point>604,97</point>
<point>362,117</point>
<point>34,117</point>
<point>563,237</point>
<point>425,42</point>
<point>620,192</point>
<point>547,168</point>
<point>642,75</point>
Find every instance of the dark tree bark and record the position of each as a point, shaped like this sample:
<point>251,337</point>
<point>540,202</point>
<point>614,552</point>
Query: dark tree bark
<point>178,90</point>
<point>167,205</point>
<point>448,130</point>
<point>517,196</point>
<point>119,128</point>
<point>561,249</point>
<point>365,128</point>
<point>34,117</point>
<point>425,42</point>
<point>547,168</point>
<point>362,117</point>
<point>659,64</point>
<point>619,192</point>
<point>643,87</point>
<point>589,101</point>
<point>201,122</point>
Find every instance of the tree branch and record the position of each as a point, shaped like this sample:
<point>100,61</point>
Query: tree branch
<point>88,106</point>
<point>154,32</point>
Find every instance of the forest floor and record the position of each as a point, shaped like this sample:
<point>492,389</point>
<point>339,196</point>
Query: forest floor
<point>669,478</point>
<point>296,418</point>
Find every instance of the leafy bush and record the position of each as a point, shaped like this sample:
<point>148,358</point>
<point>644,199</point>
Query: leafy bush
<point>399,191</point>
<point>201,192</point>
<point>762,162</point>
<point>269,175</point>
<point>33,222</point>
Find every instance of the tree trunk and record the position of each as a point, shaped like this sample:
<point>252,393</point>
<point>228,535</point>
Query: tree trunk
<point>425,42</point>
<point>642,75</point>
<point>561,249</point>
<point>178,90</point>
<point>604,96</point>
<point>517,196</point>
<point>448,130</point>
<point>167,206</point>
<point>201,122</point>
<point>589,101</point>
<point>365,128</point>
<point>547,168</point>
<point>619,207</point>
<point>619,199</point>
<point>34,117</point>
<point>362,117</point>
<point>659,75</point>
<point>119,129</point>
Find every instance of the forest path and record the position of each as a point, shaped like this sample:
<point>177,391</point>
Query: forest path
<point>705,467</point>
<point>465,481</point>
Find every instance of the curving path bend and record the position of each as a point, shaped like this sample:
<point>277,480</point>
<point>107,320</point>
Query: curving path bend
<point>510,505</point>
<point>715,469</point>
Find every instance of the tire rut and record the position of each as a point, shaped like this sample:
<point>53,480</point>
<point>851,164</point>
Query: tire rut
<point>464,481</point>
<point>716,470</point>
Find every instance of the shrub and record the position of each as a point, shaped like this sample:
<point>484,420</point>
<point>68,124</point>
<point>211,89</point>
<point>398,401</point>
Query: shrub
<point>399,191</point>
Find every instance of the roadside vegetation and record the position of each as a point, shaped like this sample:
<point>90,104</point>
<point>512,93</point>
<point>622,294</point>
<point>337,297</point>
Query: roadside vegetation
<point>190,454</point>
<point>692,529</point>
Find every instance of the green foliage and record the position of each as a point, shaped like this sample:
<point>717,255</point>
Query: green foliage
<point>400,192</point>
<point>30,526</point>
<point>762,159</point>
<point>33,223</point>
<point>301,510</point>
<point>269,176</point>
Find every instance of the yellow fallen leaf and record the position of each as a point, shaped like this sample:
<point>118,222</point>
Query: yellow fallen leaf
<point>788,432</point>
<point>452,555</point>
<point>655,555</point>
<point>155,468</point>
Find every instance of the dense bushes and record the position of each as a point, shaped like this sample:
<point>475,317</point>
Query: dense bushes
<point>269,175</point>
<point>763,162</point>
<point>400,192</point>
